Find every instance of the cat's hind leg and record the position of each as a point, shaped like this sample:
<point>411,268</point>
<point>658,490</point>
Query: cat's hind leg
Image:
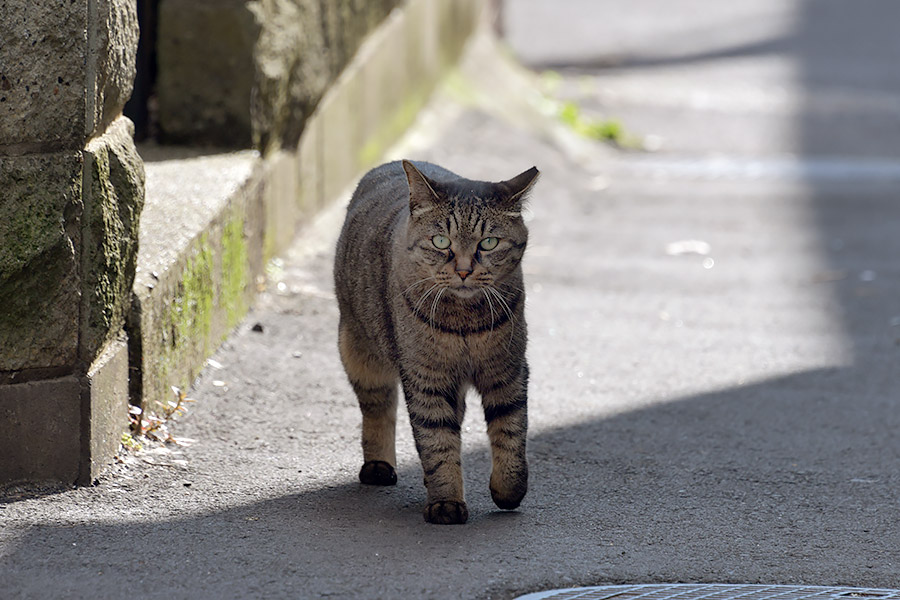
<point>375,384</point>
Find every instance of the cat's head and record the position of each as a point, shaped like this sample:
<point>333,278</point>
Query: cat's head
<point>466,235</point>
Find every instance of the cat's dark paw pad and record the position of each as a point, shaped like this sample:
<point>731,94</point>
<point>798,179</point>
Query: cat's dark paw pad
<point>447,512</point>
<point>377,472</point>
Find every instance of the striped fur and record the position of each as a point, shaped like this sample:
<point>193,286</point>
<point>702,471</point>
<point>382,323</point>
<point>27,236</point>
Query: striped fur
<point>437,322</point>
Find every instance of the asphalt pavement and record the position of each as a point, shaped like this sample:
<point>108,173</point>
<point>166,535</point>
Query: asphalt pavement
<point>714,346</point>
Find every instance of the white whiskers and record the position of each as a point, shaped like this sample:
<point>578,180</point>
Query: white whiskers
<point>492,291</point>
<point>487,296</point>
<point>422,299</point>
<point>419,282</point>
<point>434,303</point>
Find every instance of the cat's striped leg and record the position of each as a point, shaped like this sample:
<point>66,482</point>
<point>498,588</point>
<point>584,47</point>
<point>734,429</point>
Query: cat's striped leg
<point>379,411</point>
<point>376,390</point>
<point>435,415</point>
<point>504,395</point>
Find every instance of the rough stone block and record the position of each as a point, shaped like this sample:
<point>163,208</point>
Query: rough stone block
<point>40,430</point>
<point>65,429</point>
<point>293,70</point>
<point>46,61</point>
<point>206,71</point>
<point>40,291</point>
<point>213,52</point>
<point>104,409</point>
<point>379,94</point>
<point>303,46</point>
<point>111,66</point>
<point>43,56</point>
<point>347,23</point>
<point>113,199</point>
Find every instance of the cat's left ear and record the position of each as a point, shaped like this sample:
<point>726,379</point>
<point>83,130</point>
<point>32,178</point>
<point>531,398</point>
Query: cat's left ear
<point>517,188</point>
<point>422,196</point>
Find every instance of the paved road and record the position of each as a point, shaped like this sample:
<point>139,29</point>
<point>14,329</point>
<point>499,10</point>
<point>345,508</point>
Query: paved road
<point>729,415</point>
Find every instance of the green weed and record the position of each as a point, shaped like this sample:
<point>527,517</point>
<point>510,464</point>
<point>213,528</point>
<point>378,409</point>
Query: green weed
<point>609,130</point>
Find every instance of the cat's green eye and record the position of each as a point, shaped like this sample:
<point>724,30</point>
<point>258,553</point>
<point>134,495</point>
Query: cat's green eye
<point>441,242</point>
<point>489,243</point>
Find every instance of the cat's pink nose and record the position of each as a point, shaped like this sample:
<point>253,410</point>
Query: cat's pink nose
<point>463,274</point>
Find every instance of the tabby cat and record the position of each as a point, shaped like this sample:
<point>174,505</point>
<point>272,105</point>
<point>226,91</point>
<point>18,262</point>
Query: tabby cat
<point>428,279</point>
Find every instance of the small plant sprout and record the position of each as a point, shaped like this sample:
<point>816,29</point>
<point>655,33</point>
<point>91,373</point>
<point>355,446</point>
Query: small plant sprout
<point>609,130</point>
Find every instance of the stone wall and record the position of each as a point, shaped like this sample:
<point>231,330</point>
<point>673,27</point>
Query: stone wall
<point>241,73</point>
<point>71,192</point>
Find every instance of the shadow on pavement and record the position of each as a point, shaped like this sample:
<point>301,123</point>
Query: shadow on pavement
<point>767,478</point>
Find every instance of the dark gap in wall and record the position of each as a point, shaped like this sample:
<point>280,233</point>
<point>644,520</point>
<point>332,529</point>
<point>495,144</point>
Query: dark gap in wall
<point>141,108</point>
<point>135,355</point>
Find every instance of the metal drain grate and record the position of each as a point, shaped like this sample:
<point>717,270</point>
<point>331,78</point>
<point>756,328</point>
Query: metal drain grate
<point>688,591</point>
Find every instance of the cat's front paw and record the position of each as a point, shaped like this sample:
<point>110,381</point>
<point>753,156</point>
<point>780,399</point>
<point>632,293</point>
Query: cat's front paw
<point>447,512</point>
<point>507,493</point>
<point>378,472</point>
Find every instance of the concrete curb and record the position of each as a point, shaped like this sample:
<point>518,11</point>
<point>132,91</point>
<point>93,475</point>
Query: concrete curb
<point>211,222</point>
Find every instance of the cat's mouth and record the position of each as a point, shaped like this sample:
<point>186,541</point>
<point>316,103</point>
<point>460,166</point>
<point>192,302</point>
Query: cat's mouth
<point>465,291</point>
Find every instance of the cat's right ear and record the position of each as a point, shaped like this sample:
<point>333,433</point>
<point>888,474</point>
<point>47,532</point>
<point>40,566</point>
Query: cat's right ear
<point>518,187</point>
<point>422,196</point>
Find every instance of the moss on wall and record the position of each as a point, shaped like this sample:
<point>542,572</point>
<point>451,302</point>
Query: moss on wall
<point>184,326</point>
<point>114,198</point>
<point>209,299</point>
<point>40,218</point>
<point>192,312</point>
<point>234,271</point>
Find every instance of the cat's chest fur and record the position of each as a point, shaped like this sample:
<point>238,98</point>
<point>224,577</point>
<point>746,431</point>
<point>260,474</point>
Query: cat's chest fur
<point>462,331</point>
<point>451,336</point>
